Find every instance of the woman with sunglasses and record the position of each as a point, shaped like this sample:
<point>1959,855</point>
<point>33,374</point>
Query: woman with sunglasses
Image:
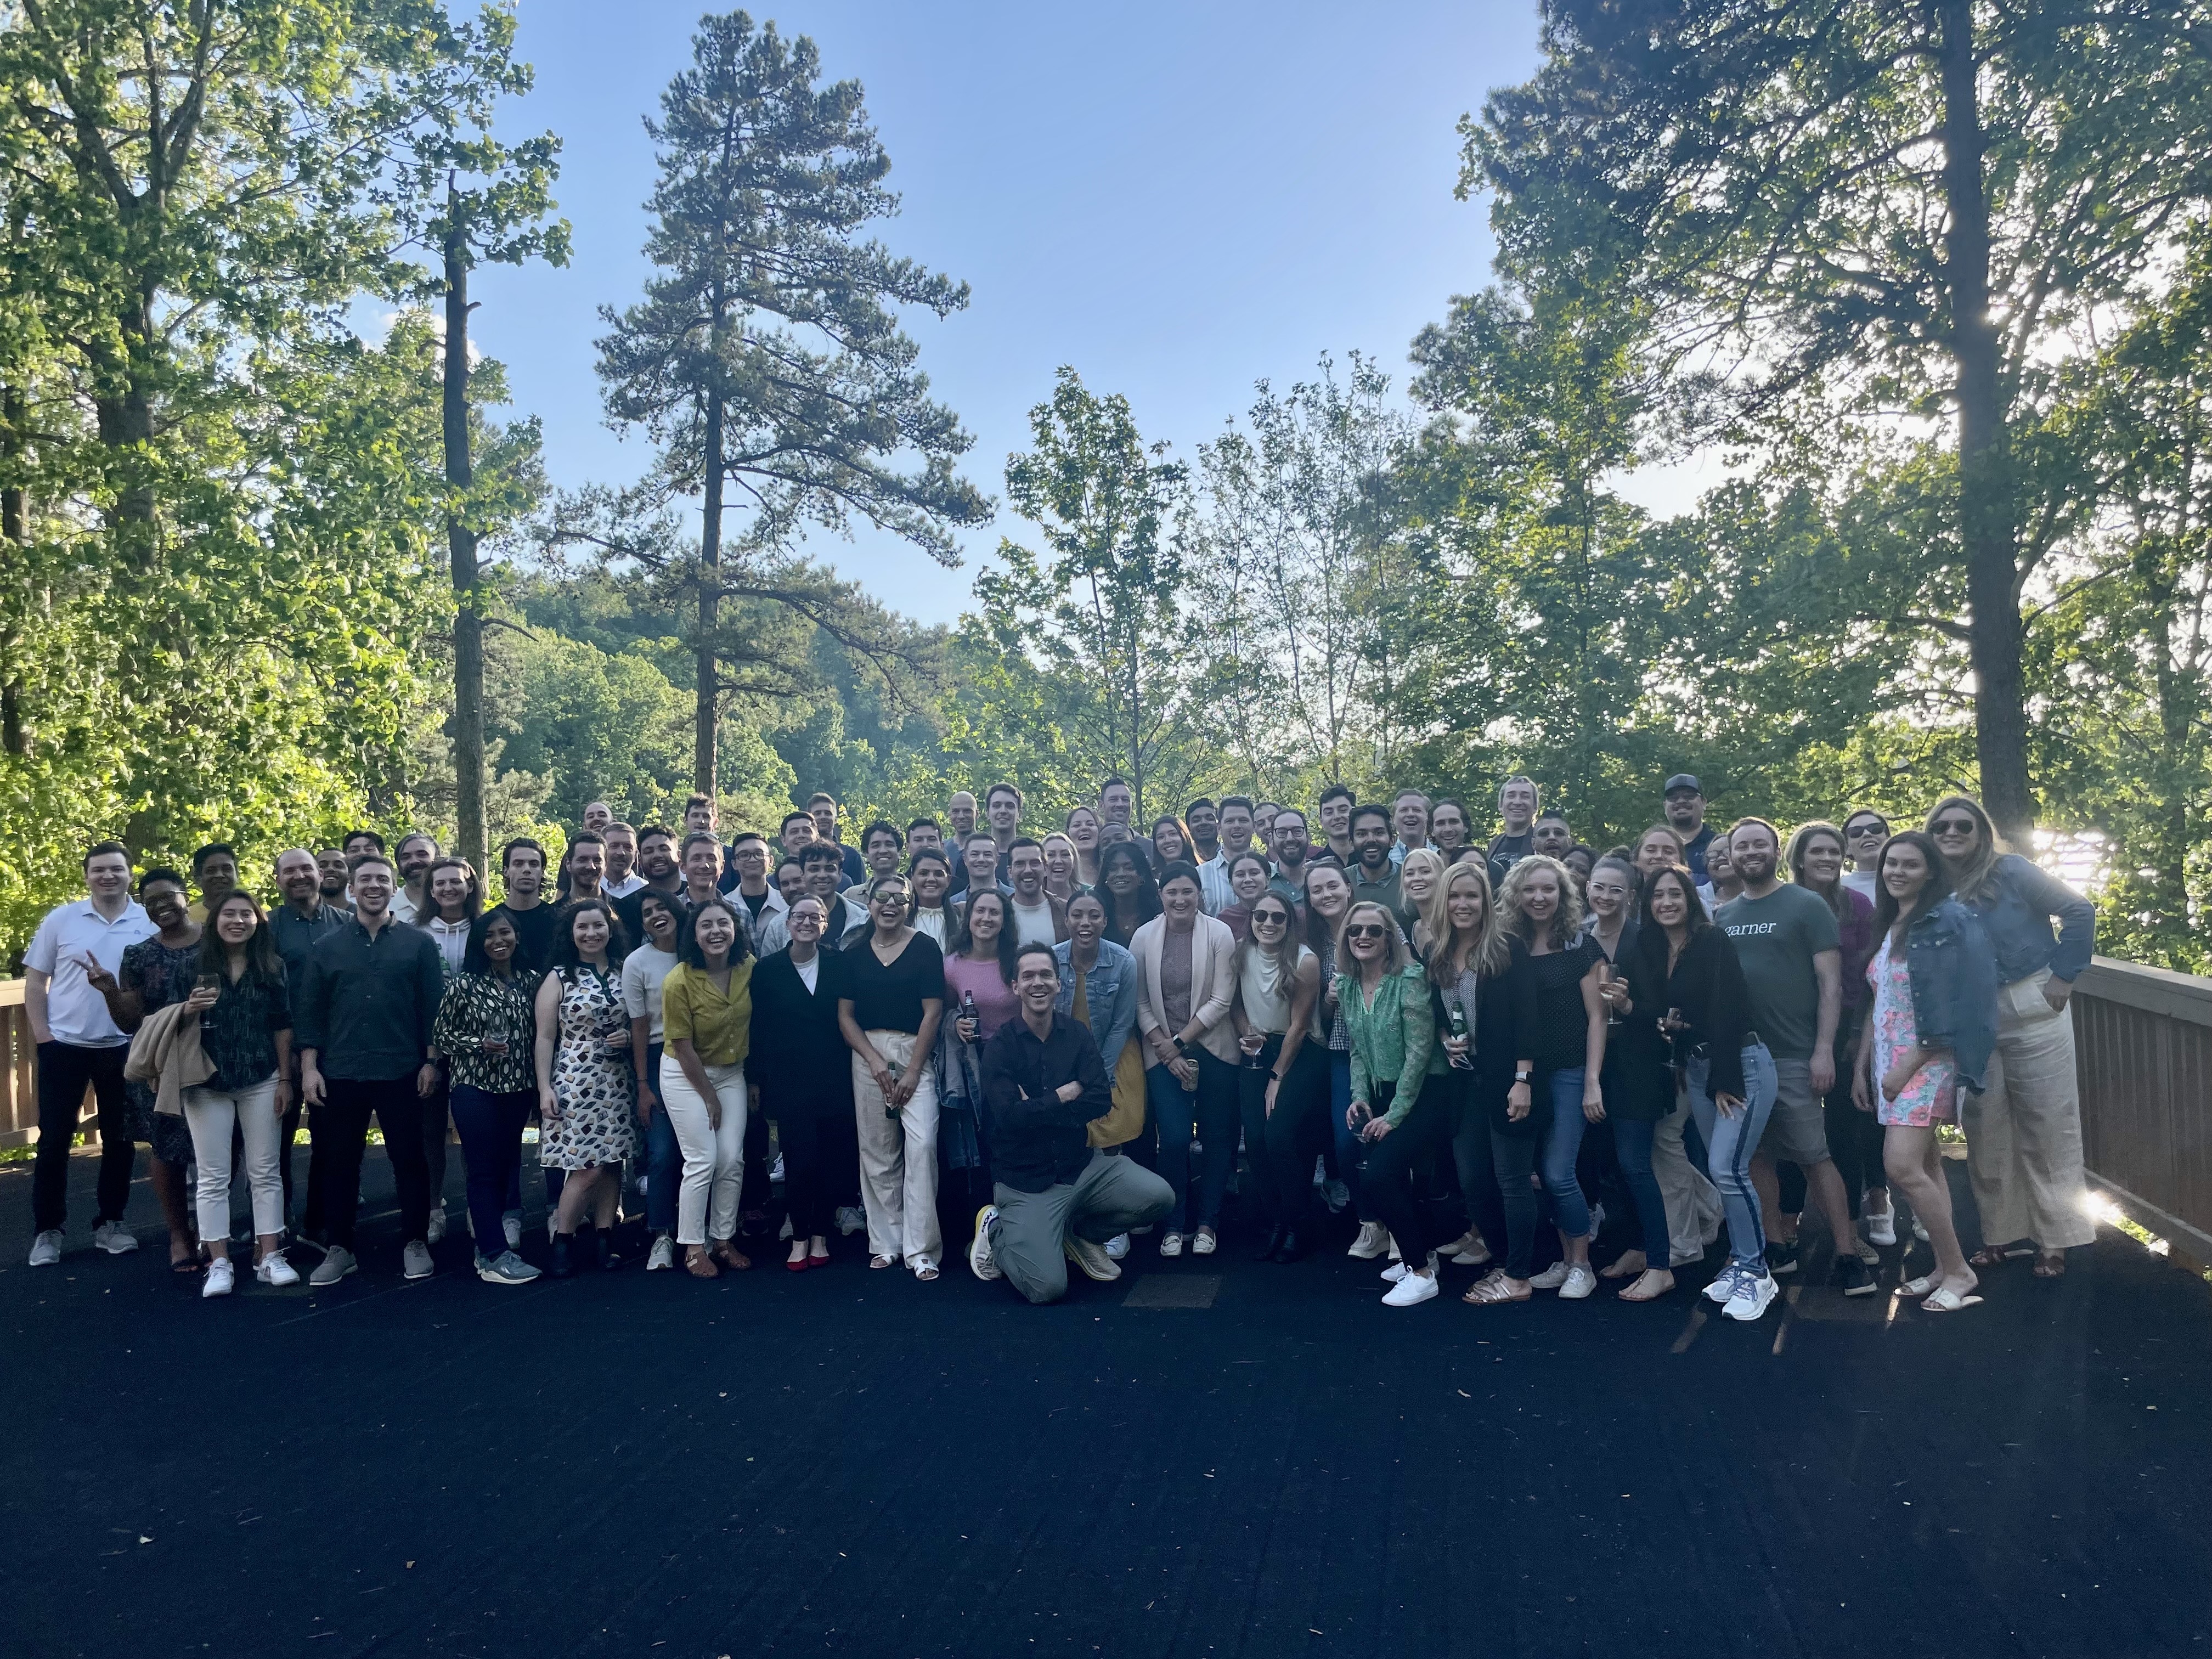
<point>1283,1084</point>
<point>802,1074</point>
<point>1402,1104</point>
<point>1131,895</point>
<point>1539,939</point>
<point>1185,985</point>
<point>1328,900</point>
<point>891,1000</point>
<point>1815,854</point>
<point>1864,832</point>
<point>1933,1028</point>
<point>2024,1130</point>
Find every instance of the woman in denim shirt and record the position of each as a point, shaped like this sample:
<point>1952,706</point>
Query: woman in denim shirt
<point>2024,1130</point>
<point>1933,1028</point>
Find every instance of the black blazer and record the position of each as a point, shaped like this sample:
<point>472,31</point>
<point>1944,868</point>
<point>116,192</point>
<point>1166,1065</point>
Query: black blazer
<point>1708,986</point>
<point>798,1059</point>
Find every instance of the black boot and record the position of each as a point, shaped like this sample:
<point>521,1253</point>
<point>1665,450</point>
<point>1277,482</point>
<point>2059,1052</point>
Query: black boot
<point>562,1264</point>
<point>604,1245</point>
<point>1269,1245</point>
<point>1288,1248</point>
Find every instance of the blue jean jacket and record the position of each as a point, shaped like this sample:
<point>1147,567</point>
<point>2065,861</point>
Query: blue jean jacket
<point>1110,989</point>
<point>1954,988</point>
<point>2017,913</point>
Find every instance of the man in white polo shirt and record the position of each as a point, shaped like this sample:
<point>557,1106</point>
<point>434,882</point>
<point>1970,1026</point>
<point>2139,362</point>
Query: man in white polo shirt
<point>79,1046</point>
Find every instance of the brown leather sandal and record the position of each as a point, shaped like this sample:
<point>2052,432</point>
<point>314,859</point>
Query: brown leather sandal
<point>699,1265</point>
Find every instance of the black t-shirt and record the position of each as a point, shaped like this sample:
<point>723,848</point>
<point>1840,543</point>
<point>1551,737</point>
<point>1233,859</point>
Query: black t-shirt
<point>1562,1033</point>
<point>534,932</point>
<point>753,904</point>
<point>888,996</point>
<point>1506,851</point>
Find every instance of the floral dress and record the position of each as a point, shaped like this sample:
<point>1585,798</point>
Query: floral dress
<point>161,975</point>
<point>591,1082</point>
<point>1928,1099</point>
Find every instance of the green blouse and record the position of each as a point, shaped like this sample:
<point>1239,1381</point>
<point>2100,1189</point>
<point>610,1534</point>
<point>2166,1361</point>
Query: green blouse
<point>1393,1038</point>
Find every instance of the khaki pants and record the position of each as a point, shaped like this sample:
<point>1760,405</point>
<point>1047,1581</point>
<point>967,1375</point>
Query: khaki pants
<point>898,1157</point>
<point>2024,1131</point>
<point>1112,1196</point>
<point>1694,1205</point>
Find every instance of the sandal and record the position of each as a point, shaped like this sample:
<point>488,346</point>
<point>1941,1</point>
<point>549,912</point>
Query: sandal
<point>1630,1292</point>
<point>2052,1264</point>
<point>1493,1288</point>
<point>699,1265</point>
<point>1996,1255</point>
<point>1627,1265</point>
<point>879,1261</point>
<point>730,1257</point>
<point>1919,1286</point>
<point>1947,1300</point>
<point>925,1270</point>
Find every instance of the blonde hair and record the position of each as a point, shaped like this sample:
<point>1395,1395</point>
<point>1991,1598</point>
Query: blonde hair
<point>1512,924</point>
<point>1429,857</point>
<point>1442,935</point>
<point>1395,956</point>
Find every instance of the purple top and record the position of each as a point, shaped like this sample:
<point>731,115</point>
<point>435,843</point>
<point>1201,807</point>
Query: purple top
<point>1855,934</point>
<point>994,999</point>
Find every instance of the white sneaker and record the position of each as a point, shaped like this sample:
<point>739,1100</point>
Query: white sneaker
<point>1411,1289</point>
<point>775,1170</point>
<point>1919,1230</point>
<point>1397,1270</point>
<point>1117,1248</point>
<point>979,1247</point>
<point>1723,1285</point>
<point>222,1278</point>
<point>273,1269</point>
<point>1580,1282</point>
<point>1752,1294</point>
<point>662,1257</point>
<point>414,1259</point>
<point>1206,1243</point>
<point>510,1225</point>
<point>851,1218</point>
<point>114,1238</point>
<point>1374,1239</point>
<point>1880,1229</point>
<point>47,1248</point>
<point>1478,1257</point>
<point>1552,1278</point>
<point>1090,1258</point>
<point>338,1262</point>
<point>1171,1245</point>
<point>437,1231</point>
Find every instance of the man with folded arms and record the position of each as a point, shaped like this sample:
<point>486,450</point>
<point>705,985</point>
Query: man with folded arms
<point>1059,1198</point>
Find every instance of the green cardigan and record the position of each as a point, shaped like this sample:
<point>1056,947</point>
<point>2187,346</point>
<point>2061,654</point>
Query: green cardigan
<point>1394,1040</point>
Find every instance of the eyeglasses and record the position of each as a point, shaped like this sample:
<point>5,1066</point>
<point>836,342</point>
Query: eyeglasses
<point>1365,930</point>
<point>1954,827</point>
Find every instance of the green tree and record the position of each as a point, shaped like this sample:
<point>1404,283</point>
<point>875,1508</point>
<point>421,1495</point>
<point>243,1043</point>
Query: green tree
<point>1913,203</point>
<point>767,356</point>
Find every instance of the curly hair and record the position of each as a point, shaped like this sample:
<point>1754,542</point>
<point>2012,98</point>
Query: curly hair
<point>1512,921</point>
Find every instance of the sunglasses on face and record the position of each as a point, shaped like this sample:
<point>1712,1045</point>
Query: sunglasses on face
<point>1364,930</point>
<point>1865,829</point>
<point>1271,917</point>
<point>1954,826</point>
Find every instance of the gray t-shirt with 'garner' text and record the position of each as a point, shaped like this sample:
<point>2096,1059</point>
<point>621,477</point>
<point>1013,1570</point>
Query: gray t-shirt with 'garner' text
<point>1775,940</point>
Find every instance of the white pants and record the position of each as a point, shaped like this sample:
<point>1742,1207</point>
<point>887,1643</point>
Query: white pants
<point>208,1114</point>
<point>898,1157</point>
<point>713,1157</point>
<point>2024,1132</point>
<point>1694,1204</point>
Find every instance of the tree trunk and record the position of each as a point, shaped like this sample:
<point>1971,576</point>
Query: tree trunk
<point>708,713</point>
<point>15,530</point>
<point>472,830</point>
<point>1986,510</point>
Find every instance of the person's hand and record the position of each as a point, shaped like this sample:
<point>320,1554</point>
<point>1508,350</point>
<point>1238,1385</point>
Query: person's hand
<point>283,1096</point>
<point>1860,1098</point>
<point>1164,1049</point>
<point>1898,1078</point>
<point>488,1046</point>
<point>880,1074</point>
<point>1068,1093</point>
<point>2056,992</point>
<point>617,1042</point>
<point>204,997</point>
<point>967,1028</point>
<point>1615,992</point>
<point>1356,1114</point>
<point>1328,999</point>
<point>311,1086</point>
<point>1517,1102</point>
<point>1251,1042</point>
<point>1671,1023</point>
<point>904,1085</point>
<point>1186,1070</point>
<point>548,1107</point>
<point>1456,1047</point>
<point>1727,1105</point>
<point>426,1080</point>
<point>714,1114</point>
<point>1374,1129</point>
<point>1824,1074</point>
<point>98,977</point>
<point>1593,1104</point>
<point>1273,1084</point>
<point>645,1104</point>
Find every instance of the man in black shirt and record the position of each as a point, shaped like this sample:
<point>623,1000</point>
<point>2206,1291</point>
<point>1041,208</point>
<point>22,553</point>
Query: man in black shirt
<point>1517,804</point>
<point>362,1026</point>
<point>656,866</point>
<point>1059,1198</point>
<point>522,867</point>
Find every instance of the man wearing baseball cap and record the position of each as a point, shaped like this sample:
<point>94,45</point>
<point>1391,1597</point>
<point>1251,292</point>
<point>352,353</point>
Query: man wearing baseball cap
<point>1685,814</point>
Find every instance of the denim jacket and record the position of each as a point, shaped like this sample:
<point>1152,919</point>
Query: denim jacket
<point>2017,912</point>
<point>1110,990</point>
<point>1954,988</point>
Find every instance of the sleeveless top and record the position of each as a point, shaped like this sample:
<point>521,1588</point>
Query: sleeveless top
<point>1266,991</point>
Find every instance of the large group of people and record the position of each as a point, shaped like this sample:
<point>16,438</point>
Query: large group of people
<point>1553,1064</point>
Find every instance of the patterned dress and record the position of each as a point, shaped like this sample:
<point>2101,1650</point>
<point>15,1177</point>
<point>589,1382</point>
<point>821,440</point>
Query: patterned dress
<point>1928,1099</point>
<point>161,976</point>
<point>591,1082</point>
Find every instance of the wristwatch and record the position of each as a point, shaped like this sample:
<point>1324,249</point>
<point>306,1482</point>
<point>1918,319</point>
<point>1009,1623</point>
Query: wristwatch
<point>1523,1076</point>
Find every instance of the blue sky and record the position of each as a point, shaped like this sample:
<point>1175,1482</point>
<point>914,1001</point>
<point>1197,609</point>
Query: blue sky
<point>1177,200</point>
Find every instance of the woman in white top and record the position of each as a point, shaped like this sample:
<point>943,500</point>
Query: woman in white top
<point>1282,1086</point>
<point>645,970</point>
<point>930,875</point>
<point>1186,983</point>
<point>453,902</point>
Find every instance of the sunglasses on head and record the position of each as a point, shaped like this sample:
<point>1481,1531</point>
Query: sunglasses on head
<point>1364,930</point>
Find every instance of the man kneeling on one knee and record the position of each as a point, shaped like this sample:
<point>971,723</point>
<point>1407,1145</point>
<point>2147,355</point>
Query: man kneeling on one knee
<point>1058,1198</point>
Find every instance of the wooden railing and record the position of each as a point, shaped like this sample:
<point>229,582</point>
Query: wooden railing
<point>19,1096</point>
<point>2142,1043</point>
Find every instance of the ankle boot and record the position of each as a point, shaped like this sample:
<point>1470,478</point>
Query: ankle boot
<point>564,1263</point>
<point>1269,1245</point>
<point>1288,1248</point>
<point>604,1248</point>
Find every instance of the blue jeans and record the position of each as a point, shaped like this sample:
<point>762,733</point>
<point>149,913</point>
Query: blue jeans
<point>1729,1143</point>
<point>491,1128</point>
<point>1210,1112</point>
<point>1563,1141</point>
<point>1350,1150</point>
<point>664,1158</point>
<point>1632,1146</point>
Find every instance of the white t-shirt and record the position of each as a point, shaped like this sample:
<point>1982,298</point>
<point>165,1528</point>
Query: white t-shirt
<point>1862,882</point>
<point>810,971</point>
<point>76,1013</point>
<point>1033,922</point>
<point>645,970</point>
